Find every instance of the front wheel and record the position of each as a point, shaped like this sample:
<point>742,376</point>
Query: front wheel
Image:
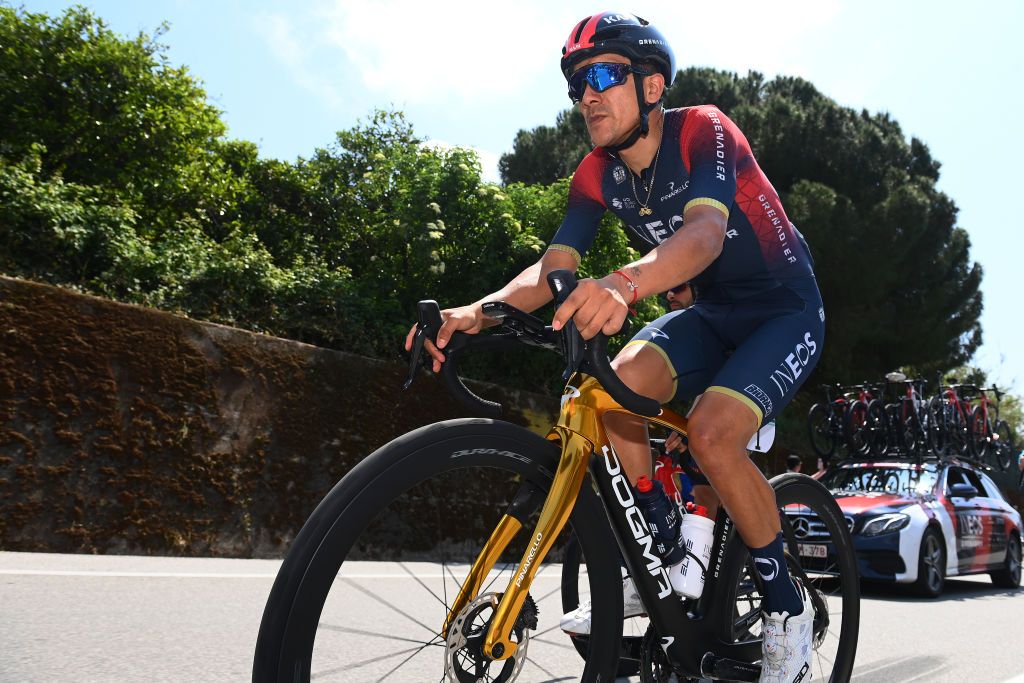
<point>366,587</point>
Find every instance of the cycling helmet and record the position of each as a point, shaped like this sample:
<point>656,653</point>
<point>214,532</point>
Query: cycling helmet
<point>627,35</point>
<point>622,34</point>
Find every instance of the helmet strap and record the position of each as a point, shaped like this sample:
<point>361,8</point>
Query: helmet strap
<point>643,127</point>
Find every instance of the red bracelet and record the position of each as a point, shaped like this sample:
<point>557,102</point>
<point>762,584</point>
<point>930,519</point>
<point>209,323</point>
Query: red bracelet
<point>632,288</point>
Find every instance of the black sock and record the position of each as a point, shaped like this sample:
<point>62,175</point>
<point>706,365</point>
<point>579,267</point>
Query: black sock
<point>780,595</point>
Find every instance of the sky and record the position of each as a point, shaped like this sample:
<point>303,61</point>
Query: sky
<point>472,73</point>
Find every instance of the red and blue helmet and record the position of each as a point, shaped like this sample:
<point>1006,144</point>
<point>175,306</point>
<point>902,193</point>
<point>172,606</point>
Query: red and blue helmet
<point>622,34</point>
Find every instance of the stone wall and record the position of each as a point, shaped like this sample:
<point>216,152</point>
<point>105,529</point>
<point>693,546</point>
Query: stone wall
<point>129,430</point>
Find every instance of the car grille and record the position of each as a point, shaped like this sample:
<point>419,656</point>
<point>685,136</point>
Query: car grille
<point>807,526</point>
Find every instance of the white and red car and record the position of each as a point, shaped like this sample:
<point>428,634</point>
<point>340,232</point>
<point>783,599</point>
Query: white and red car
<point>919,523</point>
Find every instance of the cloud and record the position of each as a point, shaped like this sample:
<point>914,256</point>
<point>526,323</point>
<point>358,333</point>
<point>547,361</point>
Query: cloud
<point>427,52</point>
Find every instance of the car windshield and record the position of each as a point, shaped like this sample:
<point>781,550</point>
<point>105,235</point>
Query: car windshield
<point>882,479</point>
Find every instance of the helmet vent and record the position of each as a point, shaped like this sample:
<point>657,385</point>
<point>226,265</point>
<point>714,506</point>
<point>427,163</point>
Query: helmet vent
<point>579,30</point>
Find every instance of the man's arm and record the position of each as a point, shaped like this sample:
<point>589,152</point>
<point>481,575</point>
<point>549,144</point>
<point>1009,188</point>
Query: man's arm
<point>527,291</point>
<point>601,305</point>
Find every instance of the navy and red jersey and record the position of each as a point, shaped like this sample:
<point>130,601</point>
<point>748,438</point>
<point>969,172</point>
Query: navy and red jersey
<point>703,159</point>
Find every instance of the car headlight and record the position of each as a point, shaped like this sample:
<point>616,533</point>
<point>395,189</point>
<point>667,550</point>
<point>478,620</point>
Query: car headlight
<point>884,524</point>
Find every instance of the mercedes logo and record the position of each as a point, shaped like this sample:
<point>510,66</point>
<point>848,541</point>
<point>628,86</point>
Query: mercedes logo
<point>801,527</point>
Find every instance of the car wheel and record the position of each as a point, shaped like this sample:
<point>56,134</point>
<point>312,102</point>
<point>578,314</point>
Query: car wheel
<point>1009,575</point>
<point>931,565</point>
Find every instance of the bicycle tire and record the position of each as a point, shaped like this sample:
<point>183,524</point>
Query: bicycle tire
<point>387,480</point>
<point>820,431</point>
<point>877,428</point>
<point>938,434</point>
<point>1005,452</point>
<point>737,615</point>
<point>856,423</point>
<point>980,431</point>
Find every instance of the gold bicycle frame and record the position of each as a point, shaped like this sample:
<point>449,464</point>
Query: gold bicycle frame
<point>580,429</point>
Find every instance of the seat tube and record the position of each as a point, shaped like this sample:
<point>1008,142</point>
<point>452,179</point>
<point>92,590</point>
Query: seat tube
<point>572,467</point>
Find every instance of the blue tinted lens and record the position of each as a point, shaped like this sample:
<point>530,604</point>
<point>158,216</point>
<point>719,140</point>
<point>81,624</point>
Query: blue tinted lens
<point>600,76</point>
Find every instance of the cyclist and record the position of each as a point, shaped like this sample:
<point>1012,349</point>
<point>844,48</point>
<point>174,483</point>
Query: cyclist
<point>686,183</point>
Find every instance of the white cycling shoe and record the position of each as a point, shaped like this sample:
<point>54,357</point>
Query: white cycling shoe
<point>788,643</point>
<point>577,622</point>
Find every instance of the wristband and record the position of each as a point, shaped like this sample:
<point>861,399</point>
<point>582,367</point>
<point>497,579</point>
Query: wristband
<point>632,288</point>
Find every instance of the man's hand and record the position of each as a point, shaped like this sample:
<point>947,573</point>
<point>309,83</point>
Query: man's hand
<point>595,306</point>
<point>674,442</point>
<point>469,319</point>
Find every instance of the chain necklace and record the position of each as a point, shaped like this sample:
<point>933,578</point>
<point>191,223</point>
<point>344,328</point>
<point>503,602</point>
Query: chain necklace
<point>644,209</point>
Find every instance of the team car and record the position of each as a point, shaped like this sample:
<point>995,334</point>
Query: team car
<point>917,523</point>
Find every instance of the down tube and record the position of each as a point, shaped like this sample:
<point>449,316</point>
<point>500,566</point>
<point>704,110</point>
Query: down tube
<point>666,609</point>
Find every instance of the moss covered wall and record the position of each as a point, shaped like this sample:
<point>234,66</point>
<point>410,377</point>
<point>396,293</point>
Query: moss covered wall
<point>128,430</point>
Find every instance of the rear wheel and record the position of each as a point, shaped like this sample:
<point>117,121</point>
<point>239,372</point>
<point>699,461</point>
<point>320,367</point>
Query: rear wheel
<point>1004,450</point>
<point>931,565</point>
<point>820,552</point>
<point>1009,575</point>
<point>426,503</point>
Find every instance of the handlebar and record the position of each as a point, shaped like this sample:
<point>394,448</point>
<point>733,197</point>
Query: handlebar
<point>589,356</point>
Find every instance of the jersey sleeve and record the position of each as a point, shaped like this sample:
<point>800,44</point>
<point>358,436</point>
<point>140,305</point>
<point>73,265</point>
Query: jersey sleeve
<point>586,207</point>
<point>709,149</point>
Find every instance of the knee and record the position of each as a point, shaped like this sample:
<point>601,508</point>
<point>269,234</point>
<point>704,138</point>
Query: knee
<point>644,371</point>
<point>713,445</point>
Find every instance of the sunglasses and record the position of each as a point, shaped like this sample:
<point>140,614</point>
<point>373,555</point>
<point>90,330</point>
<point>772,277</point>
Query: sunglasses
<point>600,76</point>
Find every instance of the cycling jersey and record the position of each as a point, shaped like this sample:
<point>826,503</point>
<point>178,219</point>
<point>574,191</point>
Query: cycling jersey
<point>703,159</point>
<point>757,328</point>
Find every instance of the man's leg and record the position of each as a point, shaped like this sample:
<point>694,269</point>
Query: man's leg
<point>720,428</point>
<point>645,371</point>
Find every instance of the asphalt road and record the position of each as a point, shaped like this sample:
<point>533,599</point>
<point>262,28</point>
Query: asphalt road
<point>84,618</point>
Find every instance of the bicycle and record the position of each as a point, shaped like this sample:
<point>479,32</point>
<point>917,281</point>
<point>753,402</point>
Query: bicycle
<point>908,417</point>
<point>949,419</point>
<point>991,436</point>
<point>867,431</point>
<point>826,425</point>
<point>484,635</point>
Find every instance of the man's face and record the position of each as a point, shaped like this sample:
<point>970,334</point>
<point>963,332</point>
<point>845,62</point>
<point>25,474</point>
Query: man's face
<point>680,297</point>
<point>613,114</point>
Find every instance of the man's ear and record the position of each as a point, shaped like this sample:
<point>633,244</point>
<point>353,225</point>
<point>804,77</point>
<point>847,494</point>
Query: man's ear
<point>654,87</point>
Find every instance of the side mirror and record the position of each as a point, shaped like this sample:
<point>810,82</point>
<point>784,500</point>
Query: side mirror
<point>965,491</point>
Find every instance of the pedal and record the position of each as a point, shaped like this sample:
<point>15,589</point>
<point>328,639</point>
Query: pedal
<point>724,669</point>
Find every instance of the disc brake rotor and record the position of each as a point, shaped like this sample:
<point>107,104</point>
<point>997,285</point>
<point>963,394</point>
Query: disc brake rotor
<point>465,661</point>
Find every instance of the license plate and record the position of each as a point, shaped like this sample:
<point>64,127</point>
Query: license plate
<point>811,550</point>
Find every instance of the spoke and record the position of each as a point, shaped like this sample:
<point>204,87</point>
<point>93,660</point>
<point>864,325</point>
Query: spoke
<point>387,604</point>
<point>399,665</point>
<point>361,632</point>
<point>420,582</point>
<point>454,578</point>
<point>496,577</point>
<point>365,662</point>
<point>541,667</point>
<point>444,584</point>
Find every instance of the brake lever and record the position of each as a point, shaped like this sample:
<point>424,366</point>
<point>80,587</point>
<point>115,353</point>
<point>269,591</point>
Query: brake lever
<point>429,314</point>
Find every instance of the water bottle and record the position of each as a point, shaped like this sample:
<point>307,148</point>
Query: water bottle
<point>663,518</point>
<point>697,531</point>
